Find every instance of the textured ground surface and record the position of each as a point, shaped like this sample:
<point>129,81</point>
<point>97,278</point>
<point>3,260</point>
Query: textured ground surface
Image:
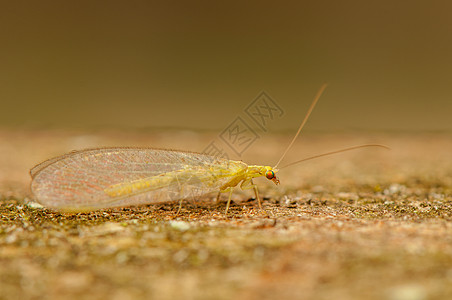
<point>371,224</point>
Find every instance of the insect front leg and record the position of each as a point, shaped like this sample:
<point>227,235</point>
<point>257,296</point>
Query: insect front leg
<point>248,184</point>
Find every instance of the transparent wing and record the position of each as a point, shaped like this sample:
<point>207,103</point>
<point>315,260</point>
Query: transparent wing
<point>111,177</point>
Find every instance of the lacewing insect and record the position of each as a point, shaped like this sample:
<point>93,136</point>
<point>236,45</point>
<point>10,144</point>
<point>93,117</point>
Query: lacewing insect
<point>116,177</point>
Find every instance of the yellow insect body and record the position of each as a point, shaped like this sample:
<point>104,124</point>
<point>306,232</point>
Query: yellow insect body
<point>112,177</point>
<point>208,177</point>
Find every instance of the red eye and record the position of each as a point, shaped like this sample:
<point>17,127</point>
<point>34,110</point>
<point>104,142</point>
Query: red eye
<point>270,174</point>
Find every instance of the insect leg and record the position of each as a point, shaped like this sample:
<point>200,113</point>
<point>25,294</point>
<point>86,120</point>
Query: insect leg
<point>181,187</point>
<point>229,201</point>
<point>180,205</point>
<point>256,192</point>
<point>248,184</point>
<point>229,189</point>
<point>218,196</point>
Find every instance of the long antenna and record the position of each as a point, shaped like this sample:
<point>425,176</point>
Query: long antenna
<point>334,152</point>
<point>317,97</point>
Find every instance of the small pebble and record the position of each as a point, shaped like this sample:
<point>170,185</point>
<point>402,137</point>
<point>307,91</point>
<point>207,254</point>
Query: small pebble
<point>180,225</point>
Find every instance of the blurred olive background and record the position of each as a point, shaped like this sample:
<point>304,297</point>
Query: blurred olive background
<point>198,64</point>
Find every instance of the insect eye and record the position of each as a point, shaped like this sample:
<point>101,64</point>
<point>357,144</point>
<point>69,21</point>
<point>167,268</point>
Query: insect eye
<point>270,174</point>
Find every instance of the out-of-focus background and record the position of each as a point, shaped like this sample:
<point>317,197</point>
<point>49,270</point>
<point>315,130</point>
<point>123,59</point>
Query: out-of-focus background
<point>233,78</point>
<point>198,64</point>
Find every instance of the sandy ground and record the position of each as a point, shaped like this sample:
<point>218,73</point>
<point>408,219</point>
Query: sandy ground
<point>368,224</point>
